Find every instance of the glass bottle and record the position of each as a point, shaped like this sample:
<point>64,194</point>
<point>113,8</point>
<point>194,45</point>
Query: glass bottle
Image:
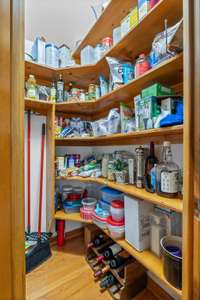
<point>151,160</point>
<point>167,174</point>
<point>53,92</point>
<point>31,87</point>
<point>60,89</point>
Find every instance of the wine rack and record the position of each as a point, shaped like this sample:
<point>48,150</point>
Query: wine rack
<point>130,277</point>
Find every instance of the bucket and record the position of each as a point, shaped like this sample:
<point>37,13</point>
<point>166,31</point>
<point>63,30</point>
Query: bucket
<point>171,247</point>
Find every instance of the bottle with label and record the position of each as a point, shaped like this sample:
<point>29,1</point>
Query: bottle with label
<point>140,167</point>
<point>60,89</point>
<point>31,87</point>
<point>98,241</point>
<point>151,160</point>
<point>53,92</point>
<point>101,272</point>
<point>111,251</point>
<point>167,174</point>
<point>118,261</point>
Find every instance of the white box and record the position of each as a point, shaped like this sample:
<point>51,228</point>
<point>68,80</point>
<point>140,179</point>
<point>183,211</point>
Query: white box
<point>137,222</point>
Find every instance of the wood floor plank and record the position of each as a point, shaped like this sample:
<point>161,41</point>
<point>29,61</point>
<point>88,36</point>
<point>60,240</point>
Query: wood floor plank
<point>65,276</point>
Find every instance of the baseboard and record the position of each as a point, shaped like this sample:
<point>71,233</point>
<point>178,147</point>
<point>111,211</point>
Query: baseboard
<point>69,235</point>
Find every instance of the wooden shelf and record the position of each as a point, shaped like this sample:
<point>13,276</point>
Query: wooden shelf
<point>39,106</point>
<point>74,217</point>
<point>174,204</point>
<point>173,134</point>
<point>133,43</point>
<point>168,73</point>
<point>146,258</point>
<point>105,24</point>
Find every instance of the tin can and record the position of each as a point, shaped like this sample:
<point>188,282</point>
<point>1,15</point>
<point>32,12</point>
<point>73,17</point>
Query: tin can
<point>107,43</point>
<point>92,91</point>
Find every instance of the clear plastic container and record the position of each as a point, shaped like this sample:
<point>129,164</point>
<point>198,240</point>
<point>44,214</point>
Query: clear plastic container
<point>105,205</point>
<point>117,210</point>
<point>116,229</point>
<point>110,195</point>
<point>87,55</point>
<point>89,203</point>
<point>71,208</point>
<point>66,190</point>
<point>86,214</point>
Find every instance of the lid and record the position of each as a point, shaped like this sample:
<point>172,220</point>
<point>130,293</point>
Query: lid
<point>110,191</point>
<point>51,45</point>
<point>67,188</point>
<point>100,218</point>
<point>115,223</point>
<point>117,204</point>
<point>74,197</point>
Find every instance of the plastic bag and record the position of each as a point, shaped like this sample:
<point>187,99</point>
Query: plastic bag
<point>126,115</point>
<point>113,121</point>
<point>116,72</point>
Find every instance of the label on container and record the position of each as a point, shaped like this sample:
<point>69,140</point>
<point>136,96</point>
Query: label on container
<point>169,182</point>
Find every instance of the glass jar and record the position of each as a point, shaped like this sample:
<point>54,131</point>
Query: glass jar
<point>111,172</point>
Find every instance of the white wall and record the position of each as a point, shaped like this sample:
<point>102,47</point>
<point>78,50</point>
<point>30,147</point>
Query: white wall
<point>59,21</point>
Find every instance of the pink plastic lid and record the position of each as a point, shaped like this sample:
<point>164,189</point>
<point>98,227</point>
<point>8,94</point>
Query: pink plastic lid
<point>117,204</point>
<point>115,223</point>
<point>100,219</point>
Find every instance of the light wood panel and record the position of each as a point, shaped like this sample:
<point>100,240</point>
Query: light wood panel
<point>38,106</point>
<point>74,217</point>
<point>173,134</point>
<point>171,203</point>
<point>65,276</point>
<point>12,271</point>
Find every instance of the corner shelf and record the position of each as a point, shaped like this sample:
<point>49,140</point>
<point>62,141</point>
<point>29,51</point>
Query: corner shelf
<point>73,217</point>
<point>174,204</point>
<point>38,106</point>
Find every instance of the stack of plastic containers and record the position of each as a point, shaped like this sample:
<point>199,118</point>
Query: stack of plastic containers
<point>87,210</point>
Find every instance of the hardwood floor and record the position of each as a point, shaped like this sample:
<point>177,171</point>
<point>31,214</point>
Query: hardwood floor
<point>65,276</point>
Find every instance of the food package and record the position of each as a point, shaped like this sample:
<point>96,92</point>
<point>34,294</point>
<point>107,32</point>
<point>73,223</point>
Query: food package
<point>113,121</point>
<point>116,72</point>
<point>126,115</point>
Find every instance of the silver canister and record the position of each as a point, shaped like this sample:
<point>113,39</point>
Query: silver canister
<point>140,167</point>
<point>131,170</point>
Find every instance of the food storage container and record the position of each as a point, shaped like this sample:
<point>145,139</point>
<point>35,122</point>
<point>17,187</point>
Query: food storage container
<point>116,228</point>
<point>71,207</point>
<point>121,176</point>
<point>89,203</point>
<point>109,194</point>
<point>66,191</point>
<point>51,55</point>
<point>86,214</point>
<point>78,190</point>
<point>117,210</point>
<point>105,205</point>
<point>100,217</point>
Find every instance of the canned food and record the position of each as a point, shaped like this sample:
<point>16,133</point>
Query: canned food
<point>92,91</point>
<point>107,43</point>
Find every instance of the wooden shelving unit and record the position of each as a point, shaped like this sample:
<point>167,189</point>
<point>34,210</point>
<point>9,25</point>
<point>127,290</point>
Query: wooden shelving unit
<point>175,204</point>
<point>169,73</point>
<point>150,261</point>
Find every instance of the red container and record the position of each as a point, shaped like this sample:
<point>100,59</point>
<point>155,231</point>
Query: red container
<point>61,233</point>
<point>152,3</point>
<point>142,65</point>
<point>107,42</point>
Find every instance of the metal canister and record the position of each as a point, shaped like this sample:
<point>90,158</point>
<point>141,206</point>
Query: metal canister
<point>140,167</point>
<point>92,92</point>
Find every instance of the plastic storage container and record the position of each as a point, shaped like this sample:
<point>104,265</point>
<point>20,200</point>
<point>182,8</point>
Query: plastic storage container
<point>71,207</point>
<point>116,229</point>
<point>89,203</point>
<point>172,259</point>
<point>105,205</point>
<point>66,191</point>
<point>109,194</point>
<point>100,217</point>
<point>87,55</point>
<point>86,214</point>
<point>51,55</point>
<point>117,210</point>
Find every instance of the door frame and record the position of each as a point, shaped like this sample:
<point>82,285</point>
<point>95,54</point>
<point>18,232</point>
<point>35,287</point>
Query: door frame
<point>12,258</point>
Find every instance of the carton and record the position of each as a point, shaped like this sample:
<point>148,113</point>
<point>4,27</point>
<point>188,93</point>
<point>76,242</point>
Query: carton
<point>38,50</point>
<point>156,90</point>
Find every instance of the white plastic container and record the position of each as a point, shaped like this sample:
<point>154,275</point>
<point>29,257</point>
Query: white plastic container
<point>117,210</point>
<point>116,229</point>
<point>38,50</point>
<point>51,52</point>
<point>64,56</point>
<point>110,195</point>
<point>89,203</point>
<point>100,221</point>
<point>87,56</point>
<point>137,222</point>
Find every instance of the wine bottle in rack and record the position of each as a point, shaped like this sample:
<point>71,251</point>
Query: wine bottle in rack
<point>101,272</point>
<point>115,288</point>
<point>107,281</point>
<point>119,261</point>
<point>98,241</point>
<point>109,252</point>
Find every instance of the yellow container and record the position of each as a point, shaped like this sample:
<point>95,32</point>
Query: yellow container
<point>134,17</point>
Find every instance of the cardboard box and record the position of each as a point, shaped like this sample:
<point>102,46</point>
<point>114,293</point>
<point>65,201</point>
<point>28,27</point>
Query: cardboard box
<point>156,90</point>
<point>137,222</point>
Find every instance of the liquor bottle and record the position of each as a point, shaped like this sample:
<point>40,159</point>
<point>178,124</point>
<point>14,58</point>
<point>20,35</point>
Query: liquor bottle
<point>98,241</point>
<point>101,272</point>
<point>107,281</point>
<point>151,160</point>
<point>118,261</point>
<point>60,89</point>
<point>53,92</point>
<point>140,167</point>
<point>167,174</point>
<point>110,252</point>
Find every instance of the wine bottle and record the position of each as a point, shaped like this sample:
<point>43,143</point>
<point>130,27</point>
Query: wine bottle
<point>115,288</point>
<point>101,272</point>
<point>107,281</point>
<point>118,261</point>
<point>151,160</point>
<point>60,89</point>
<point>91,255</point>
<point>99,240</point>
<point>112,251</point>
